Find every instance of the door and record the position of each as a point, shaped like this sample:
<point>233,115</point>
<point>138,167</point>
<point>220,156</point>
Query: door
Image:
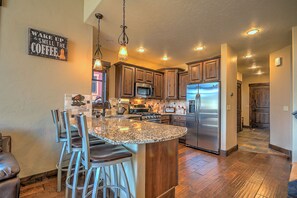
<point>140,75</point>
<point>127,81</point>
<point>195,72</point>
<point>158,85</point>
<point>149,77</point>
<point>239,122</point>
<point>183,81</point>
<point>259,105</point>
<point>191,122</point>
<point>208,118</point>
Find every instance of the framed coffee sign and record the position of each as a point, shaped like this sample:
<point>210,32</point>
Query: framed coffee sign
<point>47,45</point>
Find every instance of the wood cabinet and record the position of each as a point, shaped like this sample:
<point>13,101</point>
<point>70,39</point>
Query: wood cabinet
<point>211,70</point>
<point>124,81</point>
<point>178,120</point>
<point>204,71</point>
<point>171,84</point>
<point>195,72</point>
<point>158,85</point>
<point>165,119</point>
<point>144,76</point>
<point>183,81</point>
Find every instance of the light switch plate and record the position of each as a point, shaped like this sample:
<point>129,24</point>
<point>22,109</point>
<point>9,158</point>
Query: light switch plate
<point>278,61</point>
<point>285,108</point>
<point>228,107</point>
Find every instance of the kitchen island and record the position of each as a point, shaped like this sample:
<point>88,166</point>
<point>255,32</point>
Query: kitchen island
<point>154,168</point>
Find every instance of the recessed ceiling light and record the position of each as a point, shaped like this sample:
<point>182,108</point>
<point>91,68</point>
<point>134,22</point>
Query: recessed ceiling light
<point>253,31</point>
<point>248,56</point>
<point>260,72</point>
<point>254,66</point>
<point>199,48</point>
<point>165,58</point>
<point>140,49</point>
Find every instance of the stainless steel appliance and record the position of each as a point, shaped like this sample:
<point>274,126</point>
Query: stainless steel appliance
<point>140,109</point>
<point>143,90</point>
<point>203,116</point>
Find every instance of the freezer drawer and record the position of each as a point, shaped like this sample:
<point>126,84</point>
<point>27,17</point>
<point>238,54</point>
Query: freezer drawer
<point>192,136</point>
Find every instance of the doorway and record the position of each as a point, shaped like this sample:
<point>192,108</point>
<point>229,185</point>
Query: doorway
<point>239,118</point>
<point>259,106</point>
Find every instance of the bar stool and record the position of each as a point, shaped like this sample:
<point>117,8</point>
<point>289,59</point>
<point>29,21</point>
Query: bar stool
<point>98,158</point>
<point>74,146</point>
<point>61,137</point>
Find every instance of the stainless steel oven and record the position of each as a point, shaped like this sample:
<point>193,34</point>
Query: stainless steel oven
<point>143,90</point>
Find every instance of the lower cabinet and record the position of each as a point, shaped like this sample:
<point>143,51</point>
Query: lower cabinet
<point>165,119</point>
<point>176,120</point>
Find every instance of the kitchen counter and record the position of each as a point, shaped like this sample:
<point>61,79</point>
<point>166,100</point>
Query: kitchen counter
<point>178,114</point>
<point>126,131</point>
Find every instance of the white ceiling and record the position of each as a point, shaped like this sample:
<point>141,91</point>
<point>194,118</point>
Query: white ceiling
<point>175,27</point>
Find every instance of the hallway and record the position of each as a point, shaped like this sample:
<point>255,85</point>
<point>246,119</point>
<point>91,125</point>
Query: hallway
<point>255,140</point>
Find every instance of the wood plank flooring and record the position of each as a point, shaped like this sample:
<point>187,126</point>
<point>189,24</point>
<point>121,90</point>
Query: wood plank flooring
<point>242,174</point>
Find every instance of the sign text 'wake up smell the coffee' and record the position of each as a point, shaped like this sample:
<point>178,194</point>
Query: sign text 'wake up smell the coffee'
<point>47,45</point>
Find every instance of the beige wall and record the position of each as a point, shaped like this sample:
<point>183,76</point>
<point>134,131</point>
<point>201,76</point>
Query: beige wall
<point>280,97</point>
<point>31,86</point>
<point>228,97</point>
<point>294,91</point>
<point>245,91</point>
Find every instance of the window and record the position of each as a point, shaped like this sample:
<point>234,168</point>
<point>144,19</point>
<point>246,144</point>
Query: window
<point>98,85</point>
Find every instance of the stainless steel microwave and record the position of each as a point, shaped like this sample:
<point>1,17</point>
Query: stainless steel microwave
<point>143,90</point>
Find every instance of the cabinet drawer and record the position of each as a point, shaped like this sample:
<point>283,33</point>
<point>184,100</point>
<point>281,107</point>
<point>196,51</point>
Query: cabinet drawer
<point>165,117</point>
<point>178,118</point>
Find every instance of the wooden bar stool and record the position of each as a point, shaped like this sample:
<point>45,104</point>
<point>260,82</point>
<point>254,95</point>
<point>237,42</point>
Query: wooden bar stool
<point>97,158</point>
<point>61,137</point>
<point>74,146</point>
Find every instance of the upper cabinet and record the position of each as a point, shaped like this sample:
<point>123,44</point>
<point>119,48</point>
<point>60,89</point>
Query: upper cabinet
<point>171,83</point>
<point>195,72</point>
<point>204,71</point>
<point>158,85</point>
<point>125,81</point>
<point>144,76</point>
<point>183,81</point>
<point>211,70</point>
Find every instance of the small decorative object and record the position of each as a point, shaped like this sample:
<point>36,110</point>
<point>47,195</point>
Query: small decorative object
<point>47,45</point>
<point>78,103</point>
<point>123,39</point>
<point>278,61</point>
<point>78,100</point>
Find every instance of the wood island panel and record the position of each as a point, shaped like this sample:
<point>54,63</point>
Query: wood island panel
<point>161,169</point>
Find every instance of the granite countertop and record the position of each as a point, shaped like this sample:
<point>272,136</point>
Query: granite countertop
<point>179,114</point>
<point>125,131</point>
<point>126,116</point>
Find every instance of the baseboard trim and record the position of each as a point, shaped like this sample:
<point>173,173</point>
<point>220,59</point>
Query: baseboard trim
<point>229,151</point>
<point>246,126</point>
<point>282,150</point>
<point>38,177</point>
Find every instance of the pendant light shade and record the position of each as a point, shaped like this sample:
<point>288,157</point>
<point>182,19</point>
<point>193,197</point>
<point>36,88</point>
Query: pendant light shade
<point>98,54</point>
<point>123,39</point>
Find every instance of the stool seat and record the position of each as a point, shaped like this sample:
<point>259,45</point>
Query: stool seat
<point>73,134</point>
<point>107,152</point>
<point>77,142</point>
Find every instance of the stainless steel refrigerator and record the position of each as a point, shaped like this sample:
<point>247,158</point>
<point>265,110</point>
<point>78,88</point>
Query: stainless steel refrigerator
<point>203,116</point>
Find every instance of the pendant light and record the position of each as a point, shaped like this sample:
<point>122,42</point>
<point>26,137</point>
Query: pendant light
<point>98,53</point>
<point>123,39</point>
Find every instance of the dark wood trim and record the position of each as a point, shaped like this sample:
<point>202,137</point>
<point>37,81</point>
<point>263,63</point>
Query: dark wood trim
<point>169,194</point>
<point>229,151</point>
<point>193,62</point>
<point>136,66</point>
<point>0,2</point>
<point>282,150</point>
<point>172,68</point>
<point>246,126</point>
<point>238,81</point>
<point>38,177</point>
<point>259,84</point>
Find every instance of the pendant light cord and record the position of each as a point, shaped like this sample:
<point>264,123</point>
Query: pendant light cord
<point>123,35</point>
<point>98,50</point>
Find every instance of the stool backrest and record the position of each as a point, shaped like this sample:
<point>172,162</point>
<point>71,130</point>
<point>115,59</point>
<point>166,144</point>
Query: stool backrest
<point>66,124</point>
<point>83,132</point>
<point>56,120</point>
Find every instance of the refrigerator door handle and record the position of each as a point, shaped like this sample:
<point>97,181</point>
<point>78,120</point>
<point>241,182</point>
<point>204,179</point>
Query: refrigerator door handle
<point>197,107</point>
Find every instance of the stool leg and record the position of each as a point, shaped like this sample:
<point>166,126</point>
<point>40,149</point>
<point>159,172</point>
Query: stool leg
<point>59,177</point>
<point>69,172</point>
<point>87,181</point>
<point>96,183</point>
<point>104,182</point>
<point>115,176</point>
<point>125,180</point>
<point>76,174</point>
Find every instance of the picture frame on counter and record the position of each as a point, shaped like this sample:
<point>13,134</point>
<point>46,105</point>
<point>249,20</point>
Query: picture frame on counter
<point>47,45</point>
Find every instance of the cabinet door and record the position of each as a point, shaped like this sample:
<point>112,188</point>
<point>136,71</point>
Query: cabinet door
<point>149,77</point>
<point>127,81</point>
<point>211,70</point>
<point>171,84</point>
<point>195,72</point>
<point>158,85</point>
<point>183,81</point>
<point>140,75</point>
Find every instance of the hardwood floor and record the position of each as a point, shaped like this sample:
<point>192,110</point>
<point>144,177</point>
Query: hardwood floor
<point>242,174</point>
